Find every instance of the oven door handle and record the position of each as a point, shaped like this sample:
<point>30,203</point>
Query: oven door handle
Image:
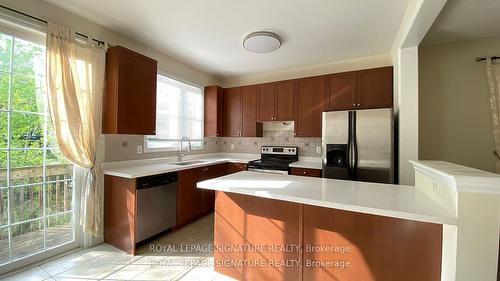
<point>279,172</point>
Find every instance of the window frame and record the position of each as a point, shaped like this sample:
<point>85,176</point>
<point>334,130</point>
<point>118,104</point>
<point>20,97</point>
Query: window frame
<point>147,149</point>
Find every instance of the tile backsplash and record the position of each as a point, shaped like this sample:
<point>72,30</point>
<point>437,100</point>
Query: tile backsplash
<point>274,133</point>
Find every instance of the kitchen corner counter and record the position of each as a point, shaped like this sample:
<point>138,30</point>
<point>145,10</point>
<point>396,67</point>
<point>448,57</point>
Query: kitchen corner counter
<point>148,167</point>
<point>398,201</point>
<point>307,164</point>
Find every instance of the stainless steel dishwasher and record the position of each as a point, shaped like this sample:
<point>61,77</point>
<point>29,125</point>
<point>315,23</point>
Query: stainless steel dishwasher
<point>156,205</point>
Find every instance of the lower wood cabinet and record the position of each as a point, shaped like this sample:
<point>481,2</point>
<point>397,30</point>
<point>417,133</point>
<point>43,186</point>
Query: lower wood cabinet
<point>306,172</point>
<point>193,202</point>
<point>236,167</point>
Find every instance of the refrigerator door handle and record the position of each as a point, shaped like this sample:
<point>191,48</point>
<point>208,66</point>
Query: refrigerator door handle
<point>354,144</point>
<point>351,146</point>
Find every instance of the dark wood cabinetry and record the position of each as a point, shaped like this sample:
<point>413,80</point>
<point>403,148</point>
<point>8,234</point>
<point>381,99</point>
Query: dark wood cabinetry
<point>341,94</point>
<point>309,105</point>
<point>232,112</point>
<point>236,167</point>
<point>375,88</point>
<point>249,111</point>
<point>214,115</point>
<point>276,101</point>
<point>130,93</point>
<point>307,172</point>
<point>240,105</point>
<point>208,196</point>
<point>365,89</point>
<point>189,198</point>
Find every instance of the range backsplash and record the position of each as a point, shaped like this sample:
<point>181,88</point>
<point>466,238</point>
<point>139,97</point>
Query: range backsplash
<point>274,133</point>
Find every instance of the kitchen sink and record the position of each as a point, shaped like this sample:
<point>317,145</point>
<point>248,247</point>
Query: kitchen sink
<point>185,163</point>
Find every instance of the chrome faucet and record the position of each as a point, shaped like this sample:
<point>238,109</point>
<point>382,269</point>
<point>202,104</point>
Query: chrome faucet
<point>181,155</point>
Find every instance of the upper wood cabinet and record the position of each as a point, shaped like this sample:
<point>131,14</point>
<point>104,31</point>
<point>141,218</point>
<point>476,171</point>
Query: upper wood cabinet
<point>365,89</point>
<point>309,106</point>
<point>232,112</point>
<point>214,115</point>
<point>240,112</point>
<point>341,93</point>
<point>276,101</point>
<point>249,111</point>
<point>375,88</point>
<point>285,101</point>
<point>130,93</point>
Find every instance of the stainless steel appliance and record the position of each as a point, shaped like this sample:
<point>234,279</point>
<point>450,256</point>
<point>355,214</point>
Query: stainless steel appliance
<point>156,204</point>
<point>359,145</point>
<point>275,159</point>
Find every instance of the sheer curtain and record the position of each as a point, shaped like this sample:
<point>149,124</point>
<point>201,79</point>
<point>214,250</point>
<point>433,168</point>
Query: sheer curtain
<point>75,80</point>
<point>493,72</point>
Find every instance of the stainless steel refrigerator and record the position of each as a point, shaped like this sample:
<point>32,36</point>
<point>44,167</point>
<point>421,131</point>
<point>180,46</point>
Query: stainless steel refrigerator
<point>359,145</point>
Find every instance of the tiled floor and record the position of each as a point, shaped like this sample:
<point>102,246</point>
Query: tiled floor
<point>165,258</point>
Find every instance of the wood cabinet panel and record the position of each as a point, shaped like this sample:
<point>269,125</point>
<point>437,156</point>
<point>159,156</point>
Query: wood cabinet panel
<point>309,106</point>
<point>189,197</point>
<point>380,248</point>
<point>306,172</point>
<point>232,112</point>
<point>342,90</point>
<point>249,111</point>
<point>375,88</point>
<point>210,172</point>
<point>214,111</point>
<point>245,221</point>
<point>266,102</point>
<point>285,101</point>
<point>130,93</point>
<point>120,212</point>
<point>236,167</point>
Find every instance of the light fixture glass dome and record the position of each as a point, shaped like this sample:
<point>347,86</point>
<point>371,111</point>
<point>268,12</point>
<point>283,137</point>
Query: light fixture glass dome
<point>262,42</point>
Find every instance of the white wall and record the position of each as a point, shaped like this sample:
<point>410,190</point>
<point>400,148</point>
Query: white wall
<point>326,68</point>
<point>418,19</point>
<point>454,121</point>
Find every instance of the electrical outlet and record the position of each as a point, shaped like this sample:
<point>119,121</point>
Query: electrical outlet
<point>124,144</point>
<point>139,149</point>
<point>318,149</point>
<point>232,146</point>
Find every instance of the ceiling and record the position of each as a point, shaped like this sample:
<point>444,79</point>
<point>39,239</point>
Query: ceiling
<point>208,34</point>
<point>462,20</point>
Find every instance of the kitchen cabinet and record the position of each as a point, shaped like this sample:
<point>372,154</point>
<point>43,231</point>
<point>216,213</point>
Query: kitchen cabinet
<point>309,106</point>
<point>375,88</point>
<point>307,172</point>
<point>276,101</point>
<point>342,88</point>
<point>130,93</point>
<point>189,197</point>
<point>365,89</point>
<point>214,115</point>
<point>232,112</point>
<point>249,111</point>
<point>236,167</point>
<point>240,105</point>
<point>208,196</point>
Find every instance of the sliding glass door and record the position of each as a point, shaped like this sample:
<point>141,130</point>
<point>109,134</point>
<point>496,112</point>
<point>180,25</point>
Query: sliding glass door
<point>36,181</point>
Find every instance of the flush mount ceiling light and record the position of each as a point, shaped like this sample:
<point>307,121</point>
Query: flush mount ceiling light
<point>261,42</point>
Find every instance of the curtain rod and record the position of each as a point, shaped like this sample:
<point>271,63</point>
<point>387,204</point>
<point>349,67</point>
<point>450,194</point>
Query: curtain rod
<point>478,59</point>
<point>44,21</point>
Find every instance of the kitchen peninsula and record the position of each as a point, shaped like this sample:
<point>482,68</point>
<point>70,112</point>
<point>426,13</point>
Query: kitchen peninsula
<point>387,232</point>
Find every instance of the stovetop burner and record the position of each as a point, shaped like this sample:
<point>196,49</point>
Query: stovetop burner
<point>275,158</point>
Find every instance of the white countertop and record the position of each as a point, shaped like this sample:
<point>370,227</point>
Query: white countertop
<point>464,179</point>
<point>308,163</point>
<point>398,201</point>
<point>147,167</point>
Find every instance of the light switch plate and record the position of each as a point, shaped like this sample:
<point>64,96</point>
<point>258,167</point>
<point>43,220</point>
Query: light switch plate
<point>232,146</point>
<point>318,149</point>
<point>139,149</point>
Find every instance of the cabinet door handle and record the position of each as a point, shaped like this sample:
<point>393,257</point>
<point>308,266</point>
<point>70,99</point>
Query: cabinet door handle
<point>354,105</point>
<point>304,172</point>
<point>358,104</point>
